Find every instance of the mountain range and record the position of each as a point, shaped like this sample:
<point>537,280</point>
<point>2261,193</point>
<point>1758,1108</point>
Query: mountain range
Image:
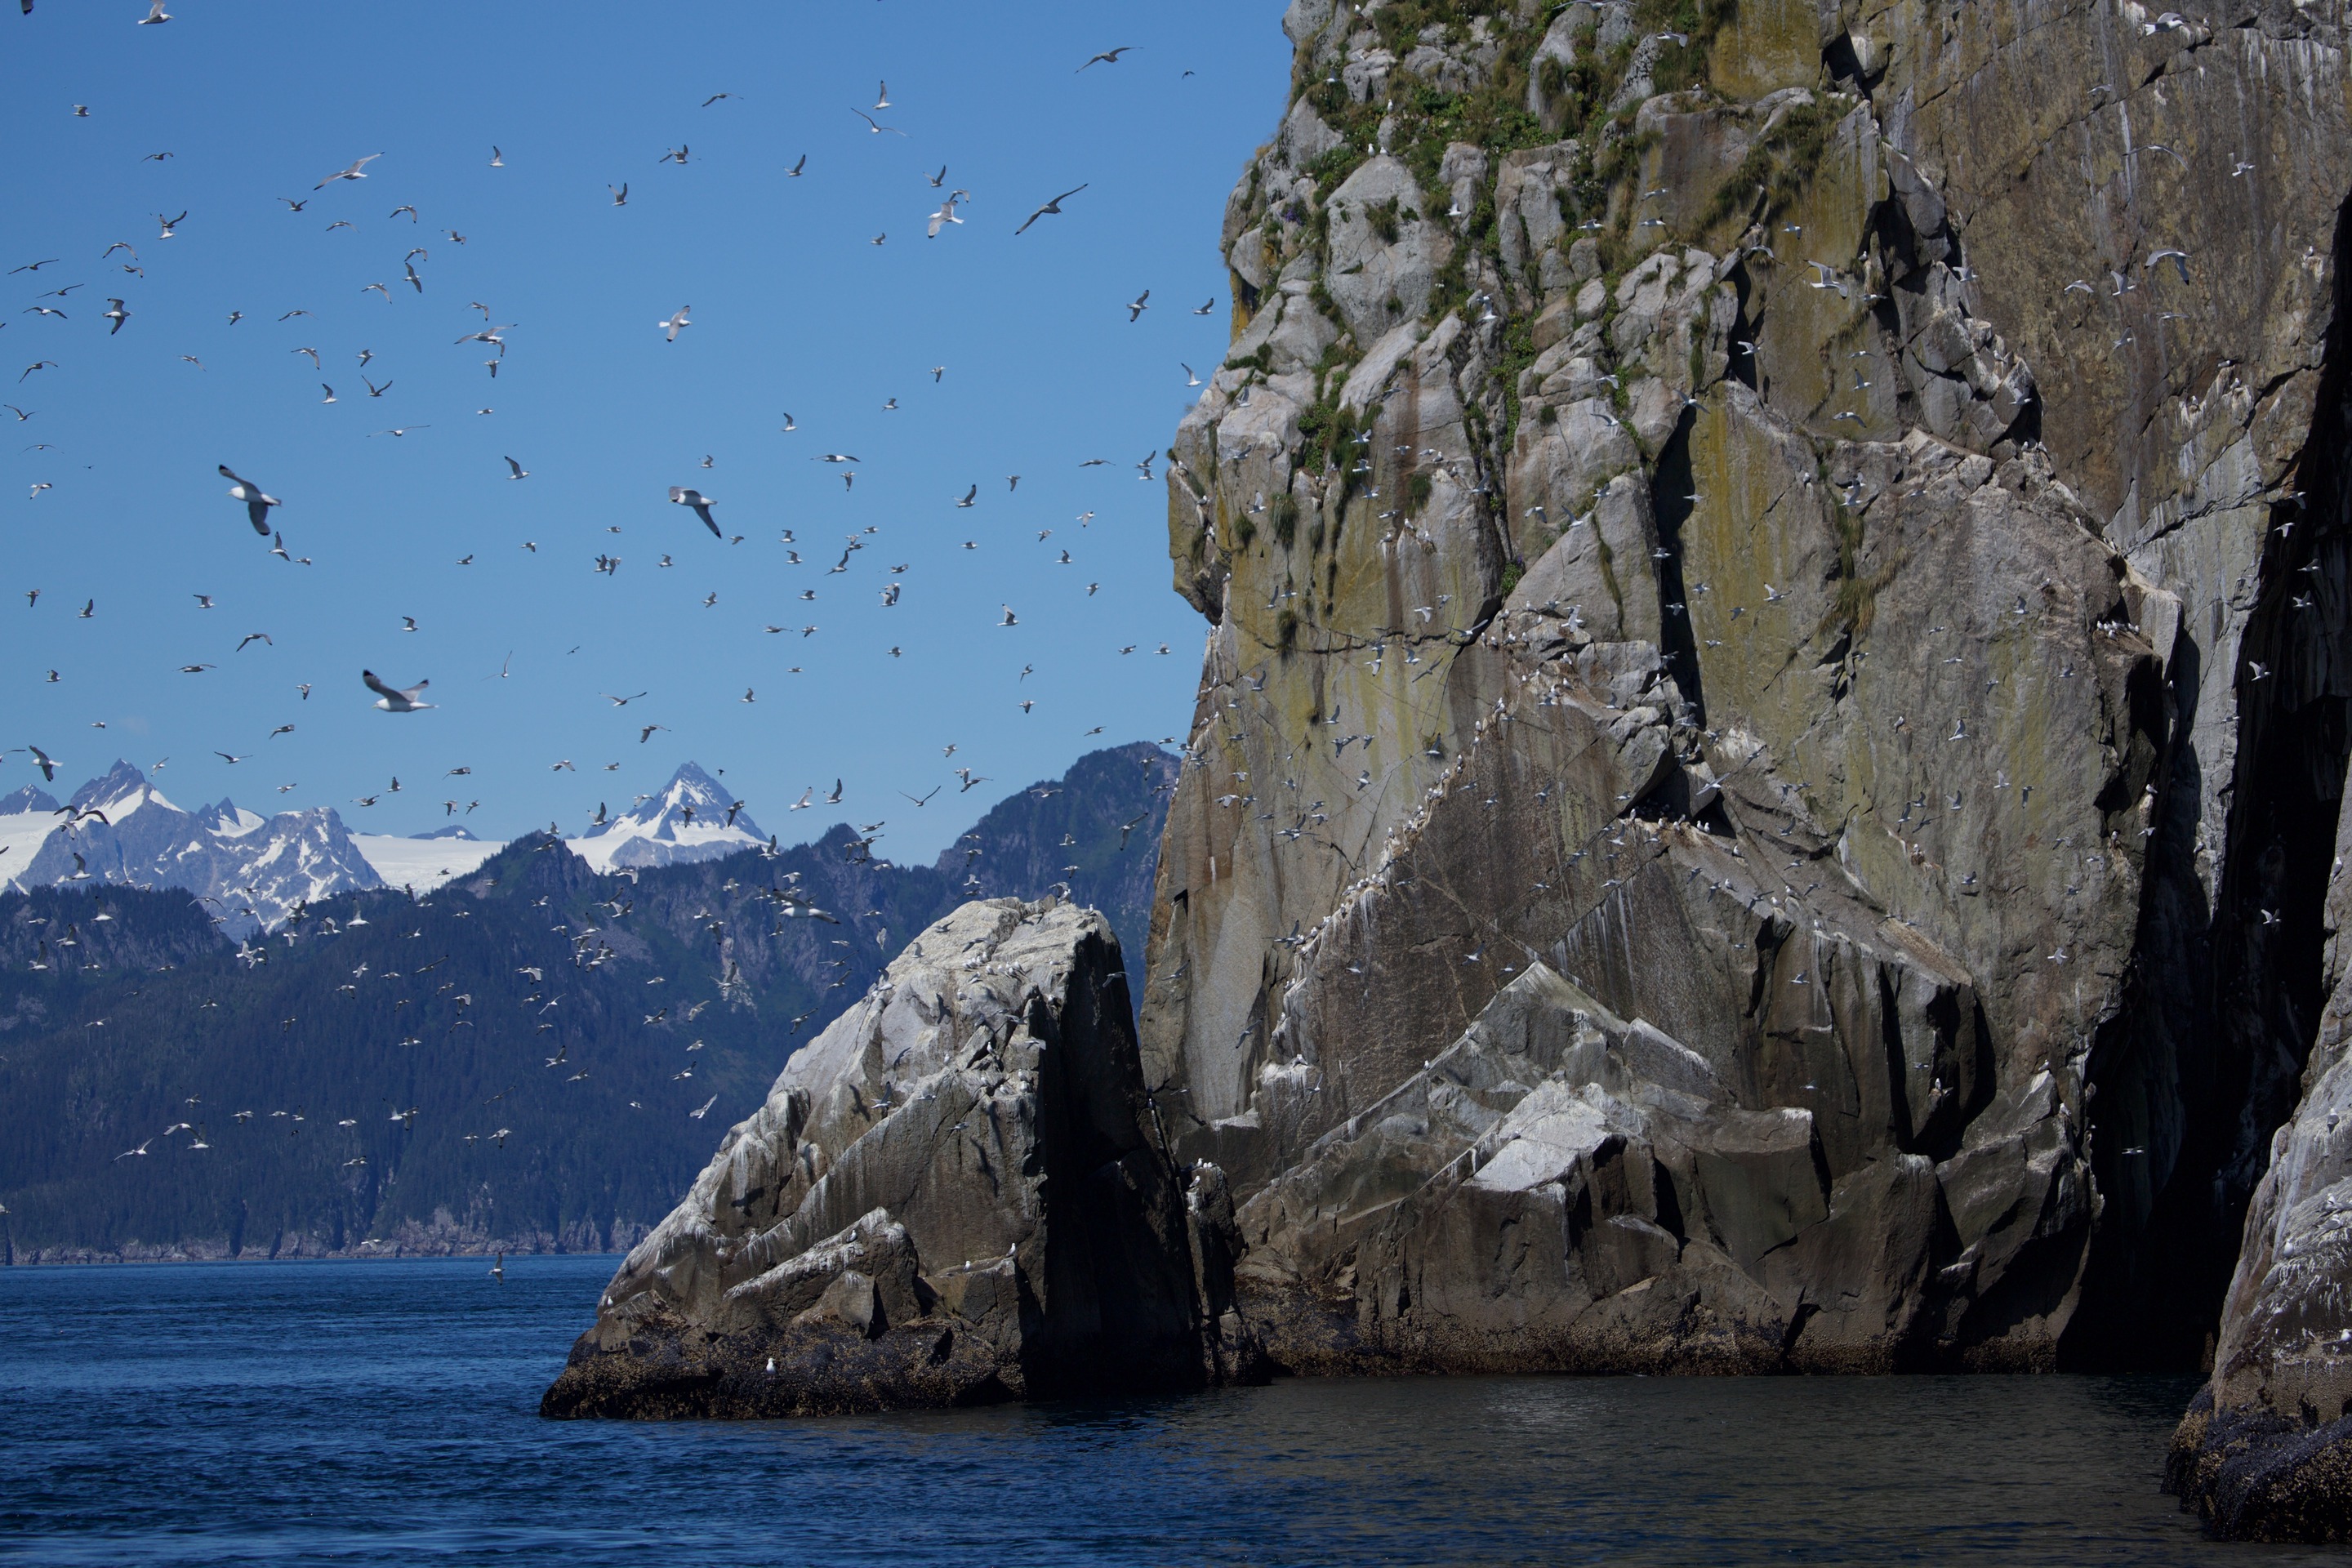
<point>254,871</point>
<point>512,1058</point>
<point>118,828</point>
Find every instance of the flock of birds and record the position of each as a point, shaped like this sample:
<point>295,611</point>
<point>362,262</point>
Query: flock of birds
<point>54,311</point>
<point>584,949</point>
<point>265,511</point>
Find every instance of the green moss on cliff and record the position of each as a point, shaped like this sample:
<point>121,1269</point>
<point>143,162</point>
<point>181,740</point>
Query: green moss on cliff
<point>1283,518</point>
<point>1681,68</point>
<point>1856,604</point>
<point>1777,168</point>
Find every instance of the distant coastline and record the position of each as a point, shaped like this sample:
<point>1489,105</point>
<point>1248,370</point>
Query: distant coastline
<point>307,1249</point>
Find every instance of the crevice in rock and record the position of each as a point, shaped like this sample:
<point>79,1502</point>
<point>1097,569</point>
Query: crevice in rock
<point>1845,68</point>
<point>2203,1061</point>
<point>1740,339</point>
<point>1670,491</point>
<point>1899,1070</point>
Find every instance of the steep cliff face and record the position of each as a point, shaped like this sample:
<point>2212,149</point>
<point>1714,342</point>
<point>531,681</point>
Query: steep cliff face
<point>1792,543</point>
<point>2266,1451</point>
<point>957,1194</point>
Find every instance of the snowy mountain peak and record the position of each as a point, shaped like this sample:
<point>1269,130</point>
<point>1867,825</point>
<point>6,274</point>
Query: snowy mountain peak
<point>28,799</point>
<point>118,792</point>
<point>692,818</point>
<point>687,787</point>
<point>229,819</point>
<point>254,869</point>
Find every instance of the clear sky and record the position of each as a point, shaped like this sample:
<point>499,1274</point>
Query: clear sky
<point>794,309</point>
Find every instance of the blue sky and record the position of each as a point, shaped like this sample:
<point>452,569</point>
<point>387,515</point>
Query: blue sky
<point>795,311</point>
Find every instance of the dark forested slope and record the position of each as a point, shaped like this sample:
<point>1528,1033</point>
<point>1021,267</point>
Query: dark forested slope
<point>515,1059</point>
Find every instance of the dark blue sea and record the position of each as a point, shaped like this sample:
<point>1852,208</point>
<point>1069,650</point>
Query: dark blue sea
<point>385,1412</point>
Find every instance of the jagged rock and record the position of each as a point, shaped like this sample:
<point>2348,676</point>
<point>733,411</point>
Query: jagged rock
<point>1528,214</point>
<point>1562,1190</point>
<point>957,1194</point>
<point>1385,253</point>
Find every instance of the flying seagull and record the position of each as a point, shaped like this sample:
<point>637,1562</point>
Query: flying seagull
<point>392,700</point>
<point>353,172</point>
<point>672,325</point>
<point>947,213</point>
<point>256,505</point>
<point>1053,207</point>
<point>1107,58</point>
<point>700,504</point>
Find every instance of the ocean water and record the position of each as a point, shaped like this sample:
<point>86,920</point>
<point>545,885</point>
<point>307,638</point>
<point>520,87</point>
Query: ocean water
<point>385,1412</point>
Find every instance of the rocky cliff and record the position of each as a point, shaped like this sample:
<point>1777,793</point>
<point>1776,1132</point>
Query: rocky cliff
<point>957,1194</point>
<point>1765,773</point>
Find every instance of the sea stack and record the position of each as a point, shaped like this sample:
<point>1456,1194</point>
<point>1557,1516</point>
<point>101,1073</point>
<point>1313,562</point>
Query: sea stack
<point>957,1194</point>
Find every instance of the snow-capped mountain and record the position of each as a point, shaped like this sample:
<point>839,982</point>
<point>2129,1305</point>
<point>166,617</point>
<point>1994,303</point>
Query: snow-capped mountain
<point>692,818</point>
<point>118,828</point>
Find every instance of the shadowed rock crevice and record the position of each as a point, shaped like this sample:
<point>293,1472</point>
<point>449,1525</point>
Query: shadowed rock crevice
<point>2205,1062</point>
<point>1673,486</point>
<point>2266,1453</point>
